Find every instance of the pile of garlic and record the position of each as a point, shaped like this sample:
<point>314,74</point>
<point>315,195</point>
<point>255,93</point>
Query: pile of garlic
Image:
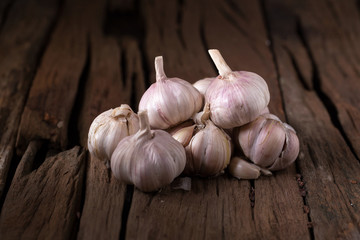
<point>169,136</point>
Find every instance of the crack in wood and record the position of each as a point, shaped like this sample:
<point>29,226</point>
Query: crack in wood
<point>298,72</point>
<point>325,99</point>
<point>73,129</point>
<point>126,210</point>
<point>266,21</point>
<point>5,7</point>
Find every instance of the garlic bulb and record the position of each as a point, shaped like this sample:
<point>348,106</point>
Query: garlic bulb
<point>203,84</point>
<point>235,97</point>
<point>208,152</point>
<point>149,159</point>
<point>268,142</point>
<point>242,169</point>
<point>169,101</point>
<point>109,128</point>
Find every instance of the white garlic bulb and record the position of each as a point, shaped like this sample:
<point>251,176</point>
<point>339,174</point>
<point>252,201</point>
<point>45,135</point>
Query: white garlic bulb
<point>203,84</point>
<point>268,142</point>
<point>109,128</point>
<point>208,152</point>
<point>169,101</point>
<point>149,159</point>
<point>235,97</point>
<point>242,169</point>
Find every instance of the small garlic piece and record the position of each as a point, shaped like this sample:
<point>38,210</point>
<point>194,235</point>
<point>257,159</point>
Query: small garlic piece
<point>208,152</point>
<point>268,142</point>
<point>235,97</point>
<point>242,169</point>
<point>184,135</point>
<point>169,101</point>
<point>203,84</point>
<point>149,159</point>
<point>109,128</point>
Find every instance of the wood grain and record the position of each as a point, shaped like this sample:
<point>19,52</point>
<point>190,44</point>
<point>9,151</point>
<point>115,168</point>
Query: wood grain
<point>224,203</point>
<point>330,173</point>
<point>52,95</point>
<point>115,77</point>
<point>22,38</point>
<point>43,203</point>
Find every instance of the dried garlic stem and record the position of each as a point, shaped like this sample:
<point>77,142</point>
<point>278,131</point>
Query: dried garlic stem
<point>159,69</point>
<point>220,63</point>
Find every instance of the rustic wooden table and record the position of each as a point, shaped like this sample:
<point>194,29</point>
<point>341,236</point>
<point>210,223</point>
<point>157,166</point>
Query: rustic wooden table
<point>62,62</point>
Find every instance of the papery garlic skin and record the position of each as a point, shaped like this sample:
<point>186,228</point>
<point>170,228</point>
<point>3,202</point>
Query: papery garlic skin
<point>235,97</point>
<point>203,84</point>
<point>242,169</point>
<point>109,128</point>
<point>268,142</point>
<point>149,159</point>
<point>208,152</point>
<point>169,101</point>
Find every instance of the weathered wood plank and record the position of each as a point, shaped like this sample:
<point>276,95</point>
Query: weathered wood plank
<point>279,217</point>
<point>104,200</point>
<point>328,167</point>
<point>331,32</point>
<point>52,95</point>
<point>213,209</point>
<point>216,206</point>
<point>109,85</point>
<point>22,38</point>
<point>44,203</point>
<point>115,77</point>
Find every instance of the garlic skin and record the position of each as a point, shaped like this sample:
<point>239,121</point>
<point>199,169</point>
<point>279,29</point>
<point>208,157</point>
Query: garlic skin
<point>169,101</point>
<point>242,169</point>
<point>268,142</point>
<point>149,159</point>
<point>203,84</point>
<point>208,152</point>
<point>109,128</point>
<point>235,97</point>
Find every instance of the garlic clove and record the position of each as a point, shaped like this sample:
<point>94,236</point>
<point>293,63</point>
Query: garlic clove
<point>235,97</point>
<point>290,151</point>
<point>169,101</point>
<point>184,135</point>
<point>202,84</point>
<point>268,144</point>
<point>246,135</point>
<point>242,169</point>
<point>208,152</point>
<point>149,159</point>
<point>109,128</point>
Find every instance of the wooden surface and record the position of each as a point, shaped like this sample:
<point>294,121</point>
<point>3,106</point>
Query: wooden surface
<point>62,62</point>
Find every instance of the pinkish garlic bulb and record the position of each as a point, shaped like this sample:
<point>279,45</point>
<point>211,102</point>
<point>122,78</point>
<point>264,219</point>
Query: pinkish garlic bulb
<point>235,97</point>
<point>268,142</point>
<point>203,84</point>
<point>169,101</point>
